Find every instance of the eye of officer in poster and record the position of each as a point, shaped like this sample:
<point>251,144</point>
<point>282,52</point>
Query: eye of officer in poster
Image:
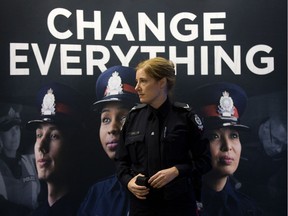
<point>75,43</point>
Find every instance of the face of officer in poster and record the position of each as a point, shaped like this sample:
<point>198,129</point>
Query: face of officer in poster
<point>10,134</point>
<point>221,106</point>
<point>53,152</point>
<point>113,116</point>
<point>11,139</point>
<point>225,148</point>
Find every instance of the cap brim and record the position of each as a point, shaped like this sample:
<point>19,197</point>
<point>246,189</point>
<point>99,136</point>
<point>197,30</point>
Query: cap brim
<point>127,100</point>
<point>215,123</point>
<point>7,125</point>
<point>57,120</point>
<point>99,103</point>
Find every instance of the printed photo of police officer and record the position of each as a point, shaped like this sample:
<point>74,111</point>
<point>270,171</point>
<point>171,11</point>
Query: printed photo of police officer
<point>60,144</point>
<point>265,166</point>
<point>19,185</point>
<point>115,96</point>
<point>221,106</point>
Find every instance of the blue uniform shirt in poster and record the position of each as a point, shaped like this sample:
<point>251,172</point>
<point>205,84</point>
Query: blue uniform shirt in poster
<point>107,197</point>
<point>228,202</point>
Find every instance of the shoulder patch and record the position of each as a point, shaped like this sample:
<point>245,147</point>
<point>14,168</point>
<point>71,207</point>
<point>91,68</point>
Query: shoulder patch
<point>198,122</point>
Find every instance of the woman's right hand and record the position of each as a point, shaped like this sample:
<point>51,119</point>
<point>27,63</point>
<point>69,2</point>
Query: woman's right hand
<point>139,191</point>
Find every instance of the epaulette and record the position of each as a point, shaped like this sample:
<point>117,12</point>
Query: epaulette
<point>183,106</point>
<point>195,118</point>
<point>138,106</point>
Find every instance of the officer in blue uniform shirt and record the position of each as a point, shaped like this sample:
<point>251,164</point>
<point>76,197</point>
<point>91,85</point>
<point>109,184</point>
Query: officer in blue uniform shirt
<point>221,105</point>
<point>115,97</point>
<point>59,148</point>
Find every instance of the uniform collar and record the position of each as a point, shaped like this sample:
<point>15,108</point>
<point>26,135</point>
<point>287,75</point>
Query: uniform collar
<point>162,111</point>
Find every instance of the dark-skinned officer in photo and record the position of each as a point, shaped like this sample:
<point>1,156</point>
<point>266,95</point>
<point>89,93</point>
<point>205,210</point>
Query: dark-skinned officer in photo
<point>115,96</point>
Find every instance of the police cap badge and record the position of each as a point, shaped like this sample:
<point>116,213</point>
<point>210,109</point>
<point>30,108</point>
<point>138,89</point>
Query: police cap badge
<point>59,104</point>
<point>116,84</point>
<point>220,104</point>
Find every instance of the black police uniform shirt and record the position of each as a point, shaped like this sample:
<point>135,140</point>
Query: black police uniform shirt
<point>174,130</point>
<point>228,202</point>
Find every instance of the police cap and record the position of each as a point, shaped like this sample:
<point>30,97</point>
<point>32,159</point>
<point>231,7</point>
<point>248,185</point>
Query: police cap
<point>116,84</point>
<point>220,104</point>
<point>59,104</point>
<point>9,116</point>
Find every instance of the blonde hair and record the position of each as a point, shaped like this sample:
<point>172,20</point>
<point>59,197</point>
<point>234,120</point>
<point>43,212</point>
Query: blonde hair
<point>159,68</point>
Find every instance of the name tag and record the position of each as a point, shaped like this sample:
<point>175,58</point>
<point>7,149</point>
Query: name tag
<point>29,178</point>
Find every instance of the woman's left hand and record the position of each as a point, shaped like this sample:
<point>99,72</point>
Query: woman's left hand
<point>163,177</point>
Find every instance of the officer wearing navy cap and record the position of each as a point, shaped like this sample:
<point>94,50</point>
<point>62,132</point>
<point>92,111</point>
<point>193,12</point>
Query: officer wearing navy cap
<point>221,106</point>
<point>116,95</point>
<point>9,116</point>
<point>60,139</point>
<point>116,84</point>
<point>19,186</point>
<point>61,104</point>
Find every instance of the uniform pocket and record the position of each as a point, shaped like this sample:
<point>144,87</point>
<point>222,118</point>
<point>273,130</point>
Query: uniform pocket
<point>175,145</point>
<point>134,143</point>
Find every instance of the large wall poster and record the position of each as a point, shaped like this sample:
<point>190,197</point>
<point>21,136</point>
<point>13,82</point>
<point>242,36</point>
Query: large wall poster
<point>244,42</point>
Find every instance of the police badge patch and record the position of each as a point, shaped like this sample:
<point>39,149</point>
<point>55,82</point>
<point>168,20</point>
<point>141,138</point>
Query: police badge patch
<point>114,86</point>
<point>198,121</point>
<point>226,105</point>
<point>48,104</point>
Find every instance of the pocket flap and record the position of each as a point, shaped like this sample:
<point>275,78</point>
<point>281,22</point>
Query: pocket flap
<point>134,137</point>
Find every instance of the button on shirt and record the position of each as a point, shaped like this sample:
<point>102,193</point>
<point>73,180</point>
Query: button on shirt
<point>179,137</point>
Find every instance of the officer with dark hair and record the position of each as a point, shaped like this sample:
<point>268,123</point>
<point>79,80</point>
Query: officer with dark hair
<point>221,106</point>
<point>19,185</point>
<point>115,97</point>
<point>60,139</point>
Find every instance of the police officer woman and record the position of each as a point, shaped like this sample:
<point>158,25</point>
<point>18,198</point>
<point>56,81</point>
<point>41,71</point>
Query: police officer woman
<point>161,148</point>
<point>115,97</point>
<point>221,106</point>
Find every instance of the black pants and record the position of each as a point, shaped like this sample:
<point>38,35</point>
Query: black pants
<point>157,204</point>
